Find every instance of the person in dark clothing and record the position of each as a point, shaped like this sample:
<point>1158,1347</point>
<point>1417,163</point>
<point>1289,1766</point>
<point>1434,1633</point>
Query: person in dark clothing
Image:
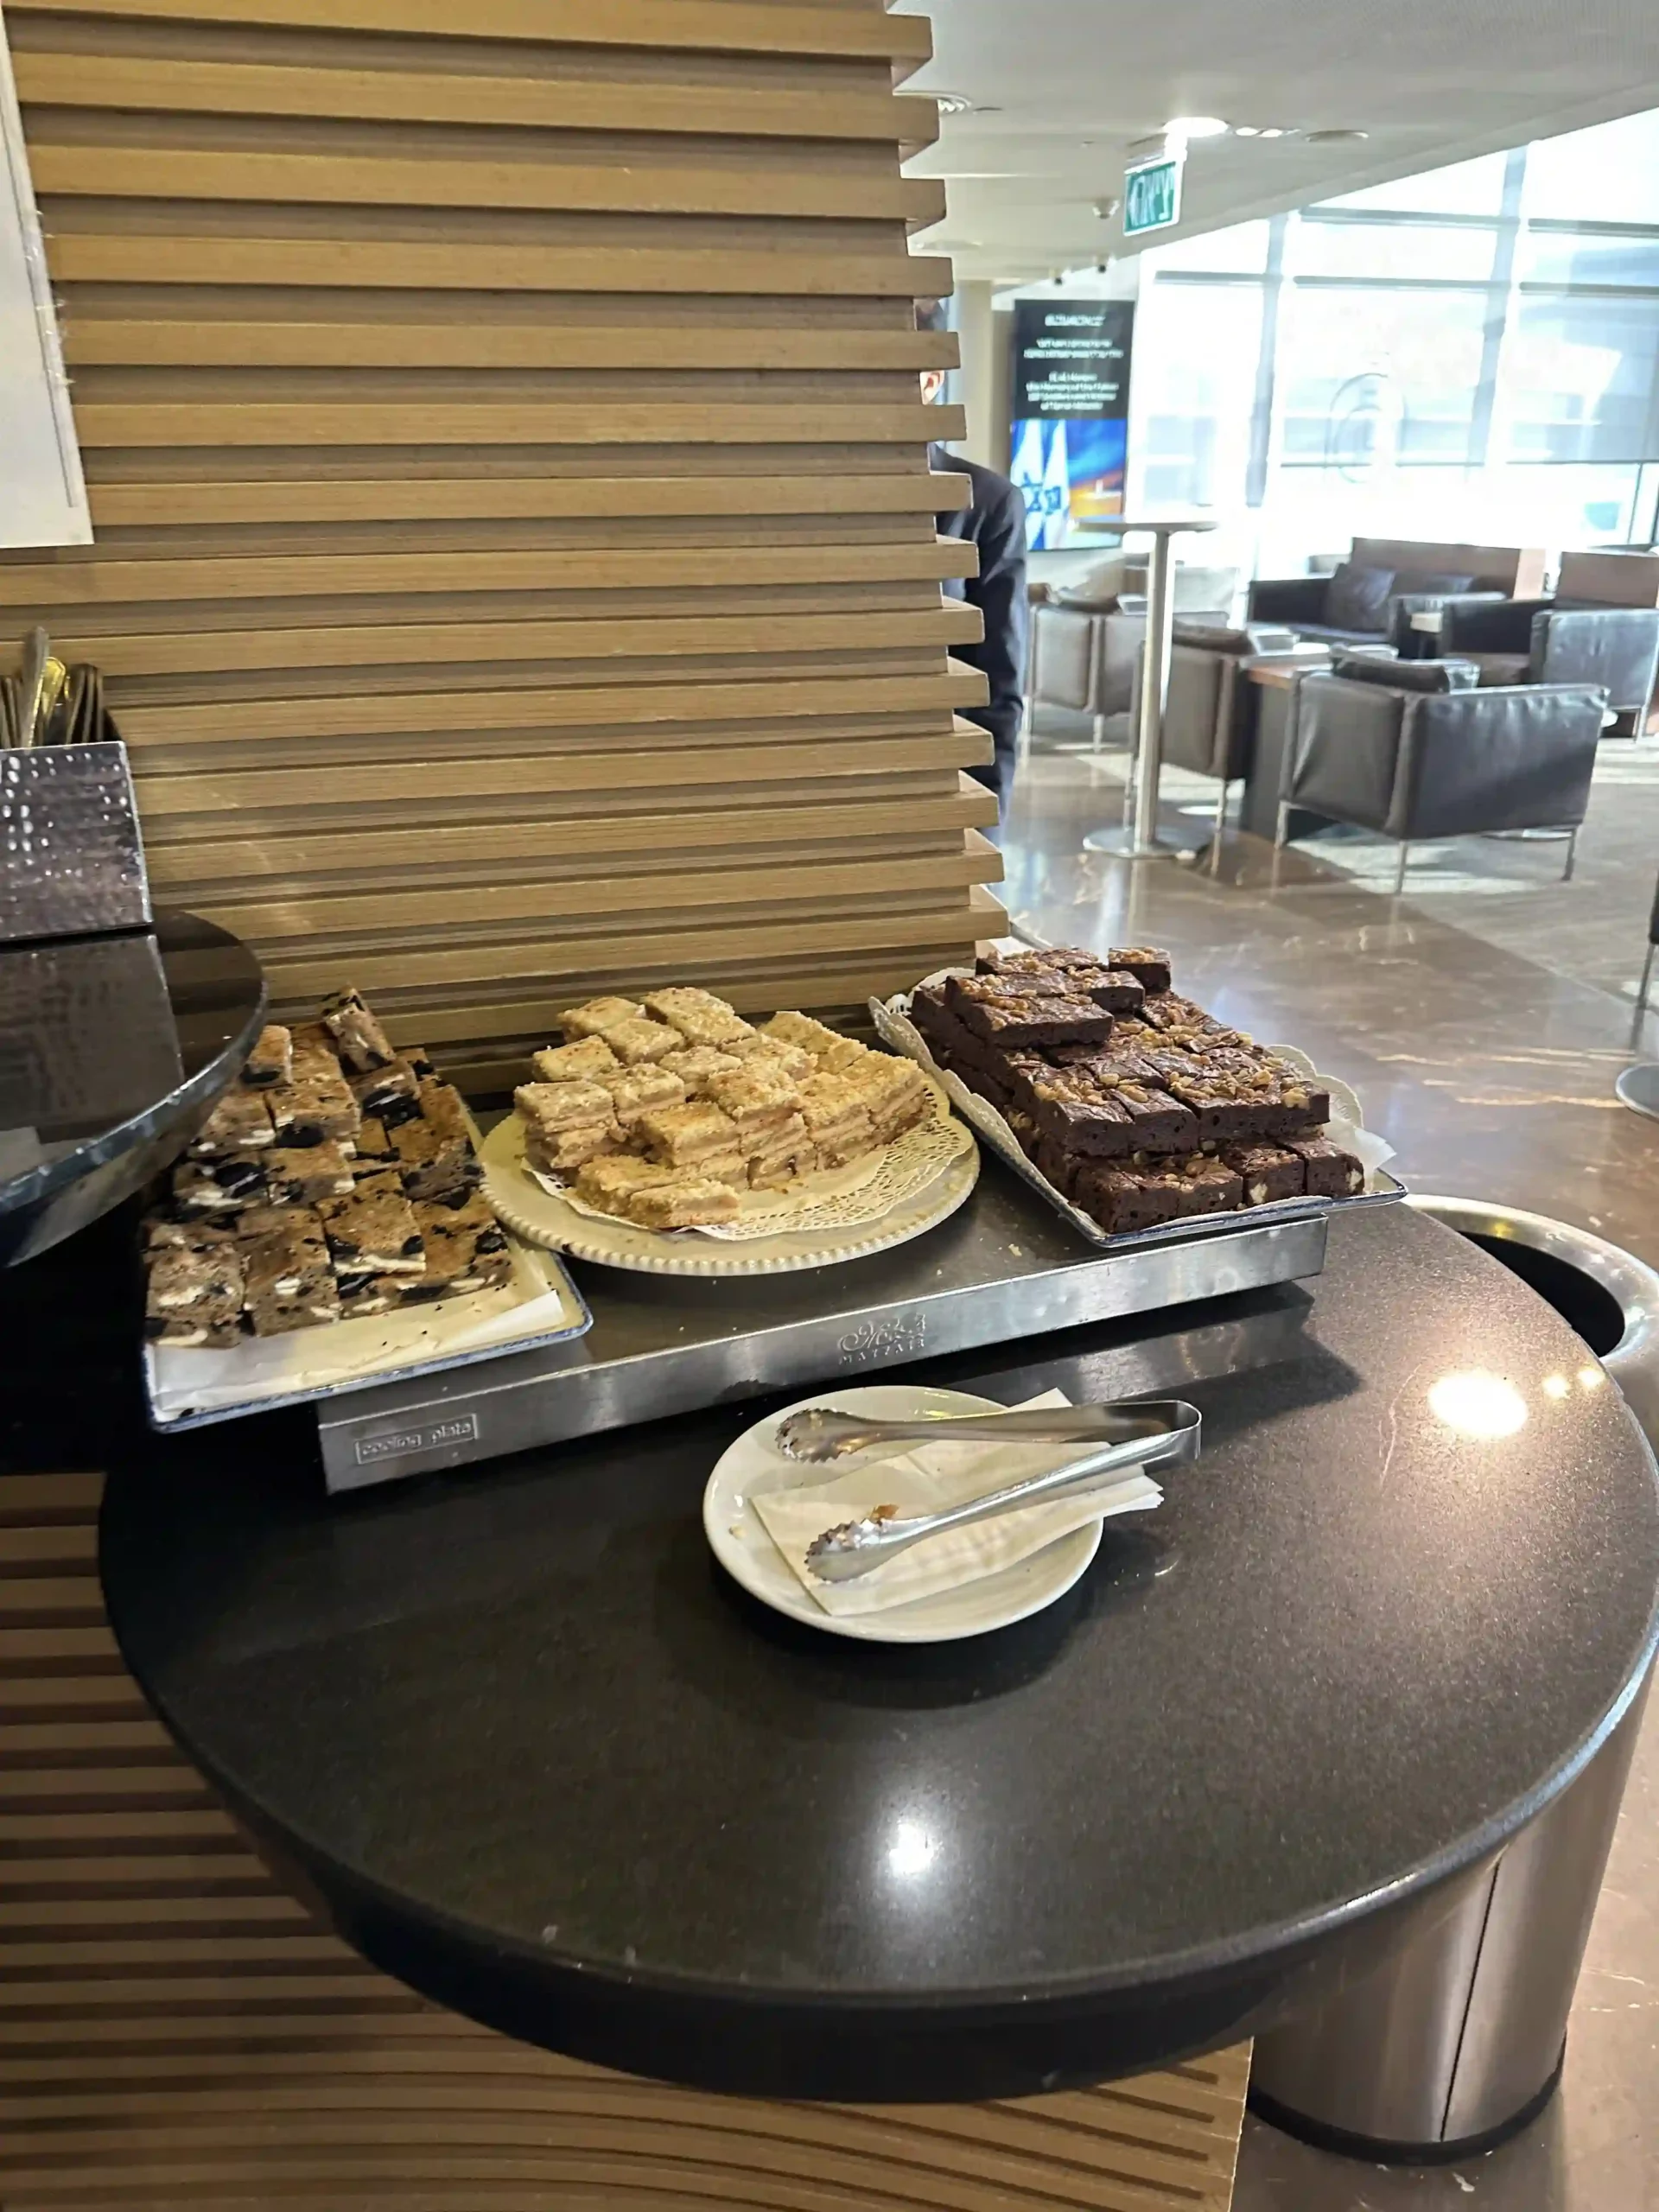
<point>995,521</point>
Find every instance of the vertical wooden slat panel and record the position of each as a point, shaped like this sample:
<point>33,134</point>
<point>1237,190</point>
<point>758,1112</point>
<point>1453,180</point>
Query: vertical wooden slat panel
<point>542,351</point>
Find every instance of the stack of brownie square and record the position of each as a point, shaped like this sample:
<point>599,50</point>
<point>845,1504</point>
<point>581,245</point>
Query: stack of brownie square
<point>335,1180</point>
<point>1134,1103</point>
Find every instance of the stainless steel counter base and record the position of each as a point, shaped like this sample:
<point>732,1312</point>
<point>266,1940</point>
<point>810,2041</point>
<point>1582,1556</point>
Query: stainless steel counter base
<point>1004,1269</point>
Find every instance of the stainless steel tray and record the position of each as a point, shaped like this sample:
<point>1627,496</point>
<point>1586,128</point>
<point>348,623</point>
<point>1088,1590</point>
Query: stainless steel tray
<point>895,1028</point>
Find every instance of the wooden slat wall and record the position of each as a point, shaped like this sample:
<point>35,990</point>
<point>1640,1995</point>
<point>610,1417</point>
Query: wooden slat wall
<point>175,2030</point>
<point>516,567</point>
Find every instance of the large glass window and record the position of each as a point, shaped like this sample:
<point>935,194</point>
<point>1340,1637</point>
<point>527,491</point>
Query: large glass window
<point>1469,355</point>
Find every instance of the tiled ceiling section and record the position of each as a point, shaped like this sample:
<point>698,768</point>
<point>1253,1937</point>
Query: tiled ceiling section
<point>1064,88</point>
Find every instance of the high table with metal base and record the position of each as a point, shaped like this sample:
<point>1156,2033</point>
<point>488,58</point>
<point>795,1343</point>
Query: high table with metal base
<point>1638,1087</point>
<point>1140,839</point>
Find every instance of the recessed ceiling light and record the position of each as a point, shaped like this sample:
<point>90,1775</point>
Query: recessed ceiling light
<point>1197,126</point>
<point>1262,131</point>
<point>959,104</point>
<point>1335,138</point>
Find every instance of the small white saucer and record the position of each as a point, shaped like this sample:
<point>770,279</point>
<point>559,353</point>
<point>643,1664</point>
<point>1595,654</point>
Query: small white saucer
<point>739,1540</point>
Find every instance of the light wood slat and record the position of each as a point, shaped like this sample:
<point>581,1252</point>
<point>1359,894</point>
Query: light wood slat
<point>434,499</point>
<point>124,172</point>
<point>574,640</point>
<point>285,923</point>
<point>285,231</point>
<point>39,1593</point>
<point>129,83</point>
<point>114,583</point>
<point>672,26</point>
<point>126,1913</point>
<point>768,699</point>
<point>513,776</point>
<point>313,854</point>
<point>19,1739</point>
<point>478,968</point>
<point>489,344</point>
<point>22,1549</point>
<point>252,423</point>
<point>129,258</point>
<point>39,1501</point>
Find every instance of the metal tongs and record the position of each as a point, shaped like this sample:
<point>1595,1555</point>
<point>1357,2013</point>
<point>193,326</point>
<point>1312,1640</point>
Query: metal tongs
<point>1150,1436</point>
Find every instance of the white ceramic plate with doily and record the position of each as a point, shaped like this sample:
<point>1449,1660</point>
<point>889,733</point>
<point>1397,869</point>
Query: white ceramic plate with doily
<point>532,1211</point>
<point>738,1536</point>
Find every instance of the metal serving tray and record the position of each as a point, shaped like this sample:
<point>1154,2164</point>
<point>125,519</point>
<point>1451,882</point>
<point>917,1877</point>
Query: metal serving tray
<point>1004,1269</point>
<point>895,1028</point>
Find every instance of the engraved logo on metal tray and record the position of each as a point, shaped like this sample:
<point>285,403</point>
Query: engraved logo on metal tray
<point>904,1336</point>
<point>410,1443</point>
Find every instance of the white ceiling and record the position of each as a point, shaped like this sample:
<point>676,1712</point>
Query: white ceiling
<point>1068,86</point>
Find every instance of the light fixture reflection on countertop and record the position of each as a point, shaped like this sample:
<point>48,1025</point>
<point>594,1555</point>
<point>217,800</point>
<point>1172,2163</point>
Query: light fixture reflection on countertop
<point>1189,127</point>
<point>1478,1404</point>
<point>911,1851</point>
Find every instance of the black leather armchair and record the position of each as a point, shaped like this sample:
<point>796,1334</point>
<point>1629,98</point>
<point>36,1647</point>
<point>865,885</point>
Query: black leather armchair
<point>1315,607</point>
<point>1209,725</point>
<point>1553,641</point>
<point>1417,765</point>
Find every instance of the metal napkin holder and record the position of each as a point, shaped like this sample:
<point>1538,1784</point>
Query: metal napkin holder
<point>71,855</point>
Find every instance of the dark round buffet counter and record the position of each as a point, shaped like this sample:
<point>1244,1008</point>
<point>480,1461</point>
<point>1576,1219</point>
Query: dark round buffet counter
<point>537,1758</point>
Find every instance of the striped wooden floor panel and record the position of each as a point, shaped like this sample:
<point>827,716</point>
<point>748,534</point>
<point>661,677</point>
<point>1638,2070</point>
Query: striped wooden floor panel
<point>176,2032</point>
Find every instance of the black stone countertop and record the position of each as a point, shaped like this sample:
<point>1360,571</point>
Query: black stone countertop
<point>112,1052</point>
<point>541,1759</point>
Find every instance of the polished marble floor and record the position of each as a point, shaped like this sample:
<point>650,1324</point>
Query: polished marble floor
<point>1490,1070</point>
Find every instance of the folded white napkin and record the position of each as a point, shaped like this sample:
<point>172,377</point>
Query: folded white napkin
<point>928,1478</point>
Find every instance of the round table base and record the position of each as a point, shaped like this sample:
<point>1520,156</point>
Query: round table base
<point>1379,2153</point>
<point>1173,842</point>
<point>1638,1088</point>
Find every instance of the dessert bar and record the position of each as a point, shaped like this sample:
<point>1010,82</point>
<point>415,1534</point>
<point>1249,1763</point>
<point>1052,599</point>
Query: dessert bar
<point>203,1289</point>
<point>838,1119</point>
<point>1150,968</point>
<point>239,1122</point>
<point>549,1107</point>
<point>680,1136</point>
<point>1331,1172</point>
<point>391,1093</point>
<point>287,1257</point>
<point>375,1234</point>
<point>636,1090</point>
<point>686,1202</point>
<point>791,1058</point>
<point>314,1108</point>
<point>271,1059</point>
<point>699,1016</point>
<point>756,1096</point>
<point>303,1175</point>
<point>697,1065</point>
<point>210,1187</point>
<point>466,1249</point>
<point>434,1160</point>
<point>280,1317</point>
<point>1008,1020</point>
<point>608,1184</point>
<point>588,1057</point>
<point>1268,1172</point>
<point>359,1040</point>
<point>597,1015</point>
<point>556,1151</point>
<point>640,1041</point>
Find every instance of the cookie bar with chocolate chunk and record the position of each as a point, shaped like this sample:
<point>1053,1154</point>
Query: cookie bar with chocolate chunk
<point>204,1289</point>
<point>200,1187</point>
<point>434,1154</point>
<point>373,1234</point>
<point>187,1235</point>
<point>272,1316</point>
<point>271,1059</point>
<point>595,1016</point>
<point>1331,1172</point>
<point>315,1108</point>
<point>360,1041</point>
<point>390,1094</point>
<point>466,1250</point>
<point>582,1062</point>
<point>239,1122</point>
<point>1268,1172</point>
<point>286,1257</point>
<point>680,1137</point>
<point>307,1174</point>
<point>685,1201</point>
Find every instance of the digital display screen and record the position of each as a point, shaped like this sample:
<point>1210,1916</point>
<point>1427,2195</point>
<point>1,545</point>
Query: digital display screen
<point>1070,431</point>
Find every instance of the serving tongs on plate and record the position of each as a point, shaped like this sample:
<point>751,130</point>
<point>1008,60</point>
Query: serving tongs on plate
<point>1148,1437</point>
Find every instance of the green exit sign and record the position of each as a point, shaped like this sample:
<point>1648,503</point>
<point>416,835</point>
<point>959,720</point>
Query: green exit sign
<point>1151,197</point>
